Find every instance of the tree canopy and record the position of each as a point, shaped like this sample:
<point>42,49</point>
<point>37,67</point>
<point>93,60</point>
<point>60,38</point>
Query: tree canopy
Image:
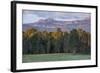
<point>42,42</point>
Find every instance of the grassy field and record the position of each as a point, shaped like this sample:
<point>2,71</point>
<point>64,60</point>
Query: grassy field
<point>54,57</point>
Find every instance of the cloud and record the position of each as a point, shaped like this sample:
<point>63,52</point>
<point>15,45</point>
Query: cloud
<point>30,18</point>
<point>34,15</point>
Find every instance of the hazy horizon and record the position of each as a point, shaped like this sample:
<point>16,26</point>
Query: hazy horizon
<point>31,16</point>
<point>50,20</point>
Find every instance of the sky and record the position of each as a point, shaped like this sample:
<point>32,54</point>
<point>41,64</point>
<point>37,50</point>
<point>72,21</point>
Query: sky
<point>31,16</point>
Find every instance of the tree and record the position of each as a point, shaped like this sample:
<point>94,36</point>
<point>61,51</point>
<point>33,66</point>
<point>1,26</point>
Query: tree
<point>66,42</point>
<point>57,41</point>
<point>84,41</point>
<point>42,42</point>
<point>28,40</point>
<point>74,40</point>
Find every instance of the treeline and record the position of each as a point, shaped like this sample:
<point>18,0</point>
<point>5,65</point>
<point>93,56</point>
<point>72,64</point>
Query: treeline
<point>75,41</point>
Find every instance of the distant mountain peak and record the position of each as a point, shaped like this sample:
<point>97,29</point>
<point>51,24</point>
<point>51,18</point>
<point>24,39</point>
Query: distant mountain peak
<point>50,24</point>
<point>50,19</point>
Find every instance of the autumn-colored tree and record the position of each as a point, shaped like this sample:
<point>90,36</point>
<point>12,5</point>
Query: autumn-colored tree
<point>42,42</point>
<point>85,42</point>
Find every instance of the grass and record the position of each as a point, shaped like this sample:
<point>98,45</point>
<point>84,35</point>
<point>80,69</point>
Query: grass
<point>54,57</point>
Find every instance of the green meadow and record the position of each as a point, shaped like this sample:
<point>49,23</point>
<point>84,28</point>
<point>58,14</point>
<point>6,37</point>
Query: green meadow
<point>54,57</point>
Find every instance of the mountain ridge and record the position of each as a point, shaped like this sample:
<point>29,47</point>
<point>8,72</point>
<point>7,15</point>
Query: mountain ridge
<point>50,24</point>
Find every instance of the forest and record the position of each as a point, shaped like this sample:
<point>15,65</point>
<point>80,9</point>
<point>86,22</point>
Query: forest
<point>76,41</point>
